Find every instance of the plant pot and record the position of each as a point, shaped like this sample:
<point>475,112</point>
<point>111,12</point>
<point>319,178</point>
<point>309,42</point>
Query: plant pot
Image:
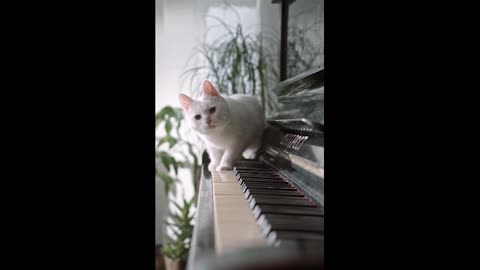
<point>175,264</point>
<point>159,261</point>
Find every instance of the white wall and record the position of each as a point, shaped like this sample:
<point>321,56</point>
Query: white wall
<point>178,30</point>
<point>178,27</point>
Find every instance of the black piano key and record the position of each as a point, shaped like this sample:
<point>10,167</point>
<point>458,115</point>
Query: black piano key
<point>269,224</point>
<point>260,179</point>
<point>286,187</point>
<point>265,181</point>
<point>285,215</point>
<point>255,172</point>
<point>239,173</point>
<point>257,175</point>
<point>276,198</point>
<point>249,193</point>
<point>255,185</point>
<point>244,188</point>
<point>287,210</point>
<point>266,190</point>
<point>307,223</point>
<point>287,193</point>
<point>252,169</point>
<point>316,246</point>
<point>259,200</point>
<point>262,182</point>
<point>269,185</point>
<point>287,219</point>
<point>291,235</point>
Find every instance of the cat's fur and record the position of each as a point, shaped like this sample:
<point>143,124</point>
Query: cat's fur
<point>234,128</point>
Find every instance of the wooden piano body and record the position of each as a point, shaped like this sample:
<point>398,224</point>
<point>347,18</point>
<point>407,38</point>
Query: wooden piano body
<point>268,213</point>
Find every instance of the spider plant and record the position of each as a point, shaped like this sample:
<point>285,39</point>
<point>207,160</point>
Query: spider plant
<point>243,63</point>
<point>238,63</point>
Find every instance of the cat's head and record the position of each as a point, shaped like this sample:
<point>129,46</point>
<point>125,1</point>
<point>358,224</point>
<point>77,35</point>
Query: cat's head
<point>208,113</point>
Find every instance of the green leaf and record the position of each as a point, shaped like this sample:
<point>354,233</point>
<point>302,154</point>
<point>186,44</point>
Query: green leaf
<point>161,141</point>
<point>168,139</point>
<point>191,202</point>
<point>177,206</point>
<point>164,115</point>
<point>178,245</point>
<point>166,111</point>
<point>165,160</point>
<point>168,126</point>
<point>175,165</point>
<point>167,180</point>
<point>158,119</point>
<point>169,223</point>
<point>168,161</point>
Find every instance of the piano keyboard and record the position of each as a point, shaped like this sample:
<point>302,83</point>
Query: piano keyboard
<point>234,223</point>
<point>254,205</point>
<point>273,204</point>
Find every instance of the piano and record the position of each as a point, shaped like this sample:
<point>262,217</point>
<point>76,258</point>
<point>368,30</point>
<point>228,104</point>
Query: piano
<point>268,212</point>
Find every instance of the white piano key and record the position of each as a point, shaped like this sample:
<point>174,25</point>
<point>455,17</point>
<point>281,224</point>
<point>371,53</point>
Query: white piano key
<point>226,188</point>
<point>235,225</point>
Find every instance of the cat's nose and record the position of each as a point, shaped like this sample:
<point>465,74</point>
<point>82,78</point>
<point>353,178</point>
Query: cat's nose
<point>208,120</point>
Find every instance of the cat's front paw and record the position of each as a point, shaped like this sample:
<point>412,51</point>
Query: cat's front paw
<point>249,154</point>
<point>212,167</point>
<point>224,168</point>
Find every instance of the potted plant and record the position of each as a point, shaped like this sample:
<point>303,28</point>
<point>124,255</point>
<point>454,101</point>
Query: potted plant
<point>171,150</point>
<point>238,63</point>
<point>175,249</point>
<point>172,153</point>
<point>246,63</point>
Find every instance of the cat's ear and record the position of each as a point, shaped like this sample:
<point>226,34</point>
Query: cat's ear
<point>185,100</point>
<point>209,89</point>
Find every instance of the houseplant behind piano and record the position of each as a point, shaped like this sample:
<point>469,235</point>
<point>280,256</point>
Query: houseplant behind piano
<point>176,248</point>
<point>173,153</point>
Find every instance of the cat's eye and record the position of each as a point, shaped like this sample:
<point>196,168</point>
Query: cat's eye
<point>212,110</point>
<point>197,117</point>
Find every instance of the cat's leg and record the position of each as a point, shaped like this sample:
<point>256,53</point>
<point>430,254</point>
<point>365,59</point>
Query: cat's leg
<point>249,154</point>
<point>228,158</point>
<point>215,155</point>
<point>252,150</point>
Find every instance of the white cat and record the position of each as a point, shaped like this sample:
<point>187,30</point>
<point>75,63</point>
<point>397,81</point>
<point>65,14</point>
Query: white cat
<point>229,126</point>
